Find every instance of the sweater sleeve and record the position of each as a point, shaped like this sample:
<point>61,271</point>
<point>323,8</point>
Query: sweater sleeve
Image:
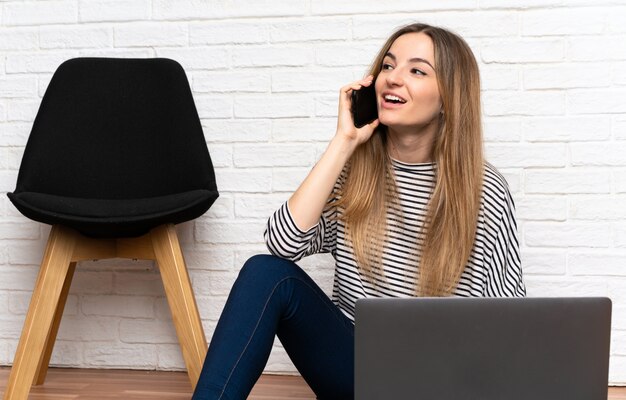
<point>504,267</point>
<point>284,239</point>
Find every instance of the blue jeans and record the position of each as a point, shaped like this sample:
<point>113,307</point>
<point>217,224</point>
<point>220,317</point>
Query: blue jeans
<point>273,296</point>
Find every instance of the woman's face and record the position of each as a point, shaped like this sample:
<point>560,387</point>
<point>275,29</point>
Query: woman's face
<point>406,88</point>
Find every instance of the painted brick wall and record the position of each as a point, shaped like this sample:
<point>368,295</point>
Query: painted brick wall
<point>265,76</point>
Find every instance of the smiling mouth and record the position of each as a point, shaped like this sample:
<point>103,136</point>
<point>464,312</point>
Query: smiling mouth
<point>389,98</point>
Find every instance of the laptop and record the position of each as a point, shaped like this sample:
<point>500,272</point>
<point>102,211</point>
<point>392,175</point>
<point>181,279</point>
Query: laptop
<point>482,348</point>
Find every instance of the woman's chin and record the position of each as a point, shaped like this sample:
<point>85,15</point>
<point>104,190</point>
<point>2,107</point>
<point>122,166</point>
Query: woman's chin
<point>402,125</point>
<point>388,122</point>
<point>392,120</point>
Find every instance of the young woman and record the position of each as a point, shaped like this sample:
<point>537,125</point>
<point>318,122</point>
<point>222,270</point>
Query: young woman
<point>406,205</point>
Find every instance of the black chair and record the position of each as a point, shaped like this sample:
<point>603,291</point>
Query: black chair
<point>115,158</point>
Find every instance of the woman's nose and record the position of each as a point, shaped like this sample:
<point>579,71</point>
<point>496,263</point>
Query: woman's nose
<point>394,78</point>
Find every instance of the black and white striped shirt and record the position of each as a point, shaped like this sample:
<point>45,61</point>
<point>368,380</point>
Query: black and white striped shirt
<point>493,270</point>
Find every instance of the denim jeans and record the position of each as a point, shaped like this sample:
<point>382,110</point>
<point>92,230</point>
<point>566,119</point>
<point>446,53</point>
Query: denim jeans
<point>273,296</point>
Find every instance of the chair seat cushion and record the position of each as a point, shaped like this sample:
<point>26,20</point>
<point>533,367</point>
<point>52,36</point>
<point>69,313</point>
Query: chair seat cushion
<point>113,218</point>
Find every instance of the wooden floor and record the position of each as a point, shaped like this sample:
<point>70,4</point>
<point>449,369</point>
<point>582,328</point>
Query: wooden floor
<point>92,384</point>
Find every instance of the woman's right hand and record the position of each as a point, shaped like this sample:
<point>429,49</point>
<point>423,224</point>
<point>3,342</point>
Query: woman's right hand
<point>345,122</point>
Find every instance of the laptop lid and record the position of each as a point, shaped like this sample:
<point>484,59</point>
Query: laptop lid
<point>482,348</point>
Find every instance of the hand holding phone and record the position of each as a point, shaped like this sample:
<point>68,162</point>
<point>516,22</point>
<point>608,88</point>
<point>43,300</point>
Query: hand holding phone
<point>364,106</point>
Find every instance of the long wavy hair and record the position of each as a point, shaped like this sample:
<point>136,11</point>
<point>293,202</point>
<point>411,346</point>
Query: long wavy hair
<point>369,192</point>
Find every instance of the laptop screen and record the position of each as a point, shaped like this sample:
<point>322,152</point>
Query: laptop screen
<point>482,348</point>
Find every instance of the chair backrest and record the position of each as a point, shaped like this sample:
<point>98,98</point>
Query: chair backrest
<point>111,128</point>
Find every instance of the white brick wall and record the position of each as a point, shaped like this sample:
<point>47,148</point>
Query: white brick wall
<point>265,77</point>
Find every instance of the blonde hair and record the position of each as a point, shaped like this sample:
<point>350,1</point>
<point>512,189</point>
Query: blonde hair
<point>369,190</point>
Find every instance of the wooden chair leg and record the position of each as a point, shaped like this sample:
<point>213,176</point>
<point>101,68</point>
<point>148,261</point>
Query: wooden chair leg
<point>42,369</point>
<point>181,299</point>
<point>41,312</point>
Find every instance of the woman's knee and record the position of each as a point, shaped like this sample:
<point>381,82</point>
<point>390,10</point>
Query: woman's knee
<point>268,266</point>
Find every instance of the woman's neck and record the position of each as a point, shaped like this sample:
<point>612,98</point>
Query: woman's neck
<point>410,147</point>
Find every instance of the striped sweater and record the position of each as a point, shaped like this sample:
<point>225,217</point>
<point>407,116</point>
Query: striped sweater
<point>493,270</point>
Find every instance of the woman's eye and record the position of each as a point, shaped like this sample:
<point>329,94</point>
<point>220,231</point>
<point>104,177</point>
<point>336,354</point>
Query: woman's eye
<point>417,71</point>
<point>387,66</point>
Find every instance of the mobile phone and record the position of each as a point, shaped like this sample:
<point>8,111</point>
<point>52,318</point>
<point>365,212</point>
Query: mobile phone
<point>364,106</point>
